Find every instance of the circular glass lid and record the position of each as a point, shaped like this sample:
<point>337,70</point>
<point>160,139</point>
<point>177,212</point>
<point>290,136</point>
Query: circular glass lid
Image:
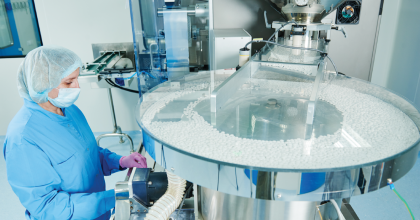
<point>263,124</point>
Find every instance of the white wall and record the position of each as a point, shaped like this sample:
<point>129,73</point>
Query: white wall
<point>76,25</point>
<point>353,55</point>
<point>397,60</point>
<point>10,101</point>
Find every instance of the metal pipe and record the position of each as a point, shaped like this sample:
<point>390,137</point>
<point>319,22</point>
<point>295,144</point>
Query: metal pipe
<point>117,135</point>
<point>111,105</point>
<point>117,129</point>
<point>162,11</point>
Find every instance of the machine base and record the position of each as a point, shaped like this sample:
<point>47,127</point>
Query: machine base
<point>216,205</point>
<point>185,214</point>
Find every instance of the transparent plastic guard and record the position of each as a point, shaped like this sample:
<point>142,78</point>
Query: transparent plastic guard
<point>274,53</point>
<point>266,118</point>
<point>249,85</point>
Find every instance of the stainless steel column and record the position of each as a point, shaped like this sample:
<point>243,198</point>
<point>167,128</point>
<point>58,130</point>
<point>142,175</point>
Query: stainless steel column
<point>217,205</point>
<point>117,129</point>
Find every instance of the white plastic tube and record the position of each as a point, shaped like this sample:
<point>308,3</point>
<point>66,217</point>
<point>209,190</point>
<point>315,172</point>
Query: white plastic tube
<point>168,203</point>
<point>340,215</point>
<point>297,41</point>
<point>243,56</point>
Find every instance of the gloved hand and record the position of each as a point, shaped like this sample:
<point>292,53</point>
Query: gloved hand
<point>133,160</point>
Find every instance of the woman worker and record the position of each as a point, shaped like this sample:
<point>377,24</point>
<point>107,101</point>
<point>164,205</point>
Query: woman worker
<point>53,162</point>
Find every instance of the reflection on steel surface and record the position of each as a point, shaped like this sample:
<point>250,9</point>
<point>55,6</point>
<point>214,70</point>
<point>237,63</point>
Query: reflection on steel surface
<point>232,179</point>
<point>313,11</point>
<point>266,183</point>
<point>216,205</point>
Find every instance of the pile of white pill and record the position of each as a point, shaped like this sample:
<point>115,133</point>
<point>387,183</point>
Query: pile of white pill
<point>371,130</point>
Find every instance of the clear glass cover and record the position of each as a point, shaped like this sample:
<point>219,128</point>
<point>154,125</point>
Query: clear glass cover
<point>264,123</point>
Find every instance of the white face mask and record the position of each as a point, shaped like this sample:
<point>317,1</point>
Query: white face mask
<point>66,97</point>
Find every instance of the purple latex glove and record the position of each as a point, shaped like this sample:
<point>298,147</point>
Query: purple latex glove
<point>133,160</point>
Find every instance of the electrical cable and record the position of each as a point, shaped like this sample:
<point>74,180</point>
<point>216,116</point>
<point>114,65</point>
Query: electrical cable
<point>154,77</point>
<point>340,215</point>
<point>117,86</point>
<point>391,185</point>
<point>120,87</point>
<point>141,148</point>
<point>130,76</point>
<point>161,79</point>
<point>319,212</point>
<point>154,165</point>
<point>405,203</point>
<point>183,200</point>
<point>278,29</point>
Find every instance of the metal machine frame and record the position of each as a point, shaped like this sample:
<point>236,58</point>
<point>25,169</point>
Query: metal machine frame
<point>275,192</point>
<point>111,65</point>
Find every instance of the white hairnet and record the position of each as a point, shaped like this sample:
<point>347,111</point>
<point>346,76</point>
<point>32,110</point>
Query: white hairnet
<point>43,69</point>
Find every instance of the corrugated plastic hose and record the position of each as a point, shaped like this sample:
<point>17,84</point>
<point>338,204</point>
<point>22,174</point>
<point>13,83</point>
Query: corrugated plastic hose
<point>170,201</point>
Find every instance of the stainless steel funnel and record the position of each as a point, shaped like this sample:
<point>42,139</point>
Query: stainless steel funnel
<point>306,11</point>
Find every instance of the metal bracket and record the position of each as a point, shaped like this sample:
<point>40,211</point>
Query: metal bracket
<point>343,30</point>
<point>340,28</point>
<point>348,211</point>
<point>117,129</point>
<point>267,25</point>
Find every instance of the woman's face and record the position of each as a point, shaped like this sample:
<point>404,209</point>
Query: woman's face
<point>69,82</point>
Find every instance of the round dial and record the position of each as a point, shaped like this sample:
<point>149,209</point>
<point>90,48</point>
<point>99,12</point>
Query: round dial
<point>301,2</point>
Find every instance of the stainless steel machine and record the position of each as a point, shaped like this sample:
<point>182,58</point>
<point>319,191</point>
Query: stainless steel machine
<point>111,68</point>
<point>279,138</point>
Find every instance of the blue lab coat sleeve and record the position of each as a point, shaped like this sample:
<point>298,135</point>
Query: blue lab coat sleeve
<point>39,187</point>
<point>110,161</point>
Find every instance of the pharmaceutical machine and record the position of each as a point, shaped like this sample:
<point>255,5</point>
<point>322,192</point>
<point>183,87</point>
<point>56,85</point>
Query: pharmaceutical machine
<point>274,136</point>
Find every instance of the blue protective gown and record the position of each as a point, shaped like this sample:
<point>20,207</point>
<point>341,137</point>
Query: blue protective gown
<point>55,166</point>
